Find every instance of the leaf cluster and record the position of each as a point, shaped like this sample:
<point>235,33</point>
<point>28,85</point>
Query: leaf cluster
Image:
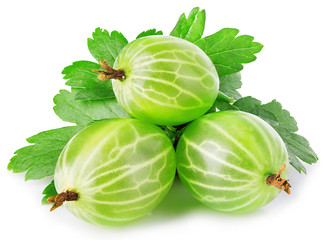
<point>91,99</point>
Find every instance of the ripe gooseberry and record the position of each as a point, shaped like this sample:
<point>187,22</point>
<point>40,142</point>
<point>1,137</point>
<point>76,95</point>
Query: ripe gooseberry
<point>229,160</point>
<point>114,171</point>
<point>163,80</point>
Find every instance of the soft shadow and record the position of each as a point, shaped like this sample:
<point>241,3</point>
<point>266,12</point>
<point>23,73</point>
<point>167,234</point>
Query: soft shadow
<point>177,202</point>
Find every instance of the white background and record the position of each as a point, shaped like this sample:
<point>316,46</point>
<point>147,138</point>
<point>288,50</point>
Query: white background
<point>39,38</point>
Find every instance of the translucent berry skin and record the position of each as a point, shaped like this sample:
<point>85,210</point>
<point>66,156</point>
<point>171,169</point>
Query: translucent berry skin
<point>120,168</point>
<point>224,158</point>
<point>169,81</point>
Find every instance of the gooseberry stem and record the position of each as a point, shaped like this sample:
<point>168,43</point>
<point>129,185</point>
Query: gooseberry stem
<point>61,198</point>
<point>276,181</point>
<point>224,97</point>
<point>109,72</point>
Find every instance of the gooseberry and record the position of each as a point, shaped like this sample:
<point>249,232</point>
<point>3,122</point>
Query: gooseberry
<point>163,80</point>
<point>230,161</point>
<point>114,171</point>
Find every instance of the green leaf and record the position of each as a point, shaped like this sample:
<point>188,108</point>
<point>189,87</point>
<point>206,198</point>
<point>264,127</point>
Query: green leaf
<point>83,112</point>
<point>49,191</point>
<point>222,103</point>
<point>295,162</point>
<point>39,159</point>
<point>222,106</point>
<point>81,77</point>
<point>253,105</point>
<point>287,127</point>
<point>150,32</point>
<point>191,28</point>
<point>285,119</point>
<point>280,119</point>
<point>106,46</point>
<point>229,52</point>
<point>229,85</point>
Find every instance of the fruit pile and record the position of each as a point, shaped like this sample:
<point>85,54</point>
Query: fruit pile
<point>158,106</point>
